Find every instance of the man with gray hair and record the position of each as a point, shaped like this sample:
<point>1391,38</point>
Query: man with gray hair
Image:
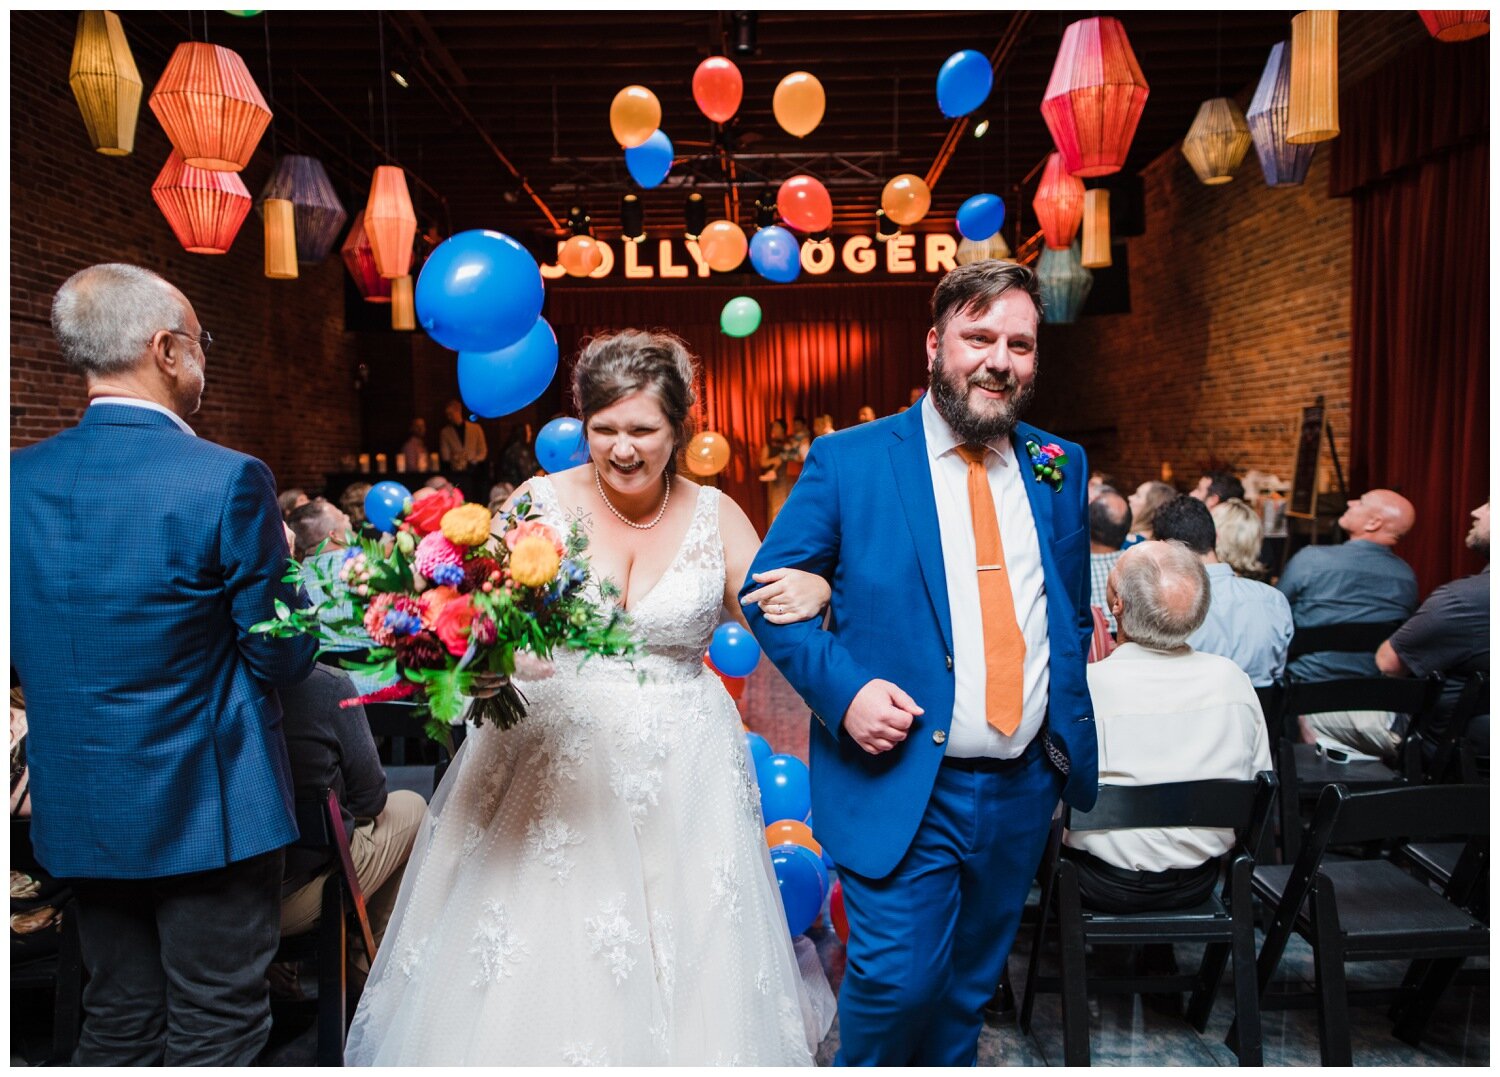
<point>160,780</point>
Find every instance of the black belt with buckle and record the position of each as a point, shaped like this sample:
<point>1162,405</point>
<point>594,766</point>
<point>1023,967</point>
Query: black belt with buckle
<point>983,764</point>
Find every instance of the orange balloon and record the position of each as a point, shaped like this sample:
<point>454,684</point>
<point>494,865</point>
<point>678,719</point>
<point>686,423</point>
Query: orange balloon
<point>785,831</point>
<point>906,199</point>
<point>634,116</point>
<point>580,256</point>
<point>708,453</point>
<point>717,88</point>
<point>798,103</point>
<point>723,246</point>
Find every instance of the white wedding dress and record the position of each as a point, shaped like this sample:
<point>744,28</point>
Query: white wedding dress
<point>593,886</point>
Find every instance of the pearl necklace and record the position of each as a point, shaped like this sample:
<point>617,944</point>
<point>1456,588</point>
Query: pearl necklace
<point>621,516</point>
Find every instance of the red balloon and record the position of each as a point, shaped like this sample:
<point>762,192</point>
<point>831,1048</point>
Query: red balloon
<point>804,204</point>
<point>718,87</point>
<point>836,911</point>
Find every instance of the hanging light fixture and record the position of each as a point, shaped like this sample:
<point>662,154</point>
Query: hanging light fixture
<point>632,219</point>
<point>320,215</point>
<point>1058,203</point>
<point>1217,141</point>
<point>885,228</point>
<point>360,261</point>
<point>993,249</point>
<point>390,221</point>
<point>1095,97</point>
<point>210,107</point>
<point>204,208</point>
<point>1456,25</point>
<point>1064,284</point>
<point>279,218</point>
<point>695,216</point>
<point>1313,106</point>
<point>1283,164</point>
<point>105,82</point>
<point>1096,253</point>
<point>403,304</point>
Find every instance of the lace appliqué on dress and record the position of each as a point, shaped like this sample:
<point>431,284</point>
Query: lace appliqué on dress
<point>584,1054</point>
<point>497,947</point>
<point>725,891</point>
<point>548,839</point>
<point>609,935</point>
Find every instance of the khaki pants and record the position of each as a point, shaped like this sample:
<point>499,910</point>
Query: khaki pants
<point>1368,732</point>
<point>379,849</point>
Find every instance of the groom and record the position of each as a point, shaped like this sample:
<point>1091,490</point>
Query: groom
<point>948,691</point>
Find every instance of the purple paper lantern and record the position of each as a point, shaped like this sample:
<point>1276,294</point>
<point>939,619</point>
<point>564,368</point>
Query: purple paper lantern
<point>1282,163</point>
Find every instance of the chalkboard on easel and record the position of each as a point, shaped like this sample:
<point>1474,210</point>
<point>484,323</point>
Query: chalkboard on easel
<point>1303,502</point>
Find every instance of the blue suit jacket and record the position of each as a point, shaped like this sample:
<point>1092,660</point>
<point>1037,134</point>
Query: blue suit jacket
<point>863,516</point>
<point>140,557</point>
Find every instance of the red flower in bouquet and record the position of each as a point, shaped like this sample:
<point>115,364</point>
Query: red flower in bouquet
<point>454,622</point>
<point>432,603</point>
<point>479,571</point>
<point>426,515</point>
<point>421,651</point>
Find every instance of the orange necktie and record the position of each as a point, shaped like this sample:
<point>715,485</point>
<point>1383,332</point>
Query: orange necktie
<point>1004,646</point>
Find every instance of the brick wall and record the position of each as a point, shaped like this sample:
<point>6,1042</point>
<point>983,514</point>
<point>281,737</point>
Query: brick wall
<point>281,373</point>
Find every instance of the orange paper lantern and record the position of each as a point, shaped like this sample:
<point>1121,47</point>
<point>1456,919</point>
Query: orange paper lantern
<point>1456,25</point>
<point>390,222</point>
<point>210,107</point>
<point>1058,203</point>
<point>1095,97</point>
<point>204,208</point>
<point>359,258</point>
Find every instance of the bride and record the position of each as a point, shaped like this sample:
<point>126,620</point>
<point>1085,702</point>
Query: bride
<point>593,887</point>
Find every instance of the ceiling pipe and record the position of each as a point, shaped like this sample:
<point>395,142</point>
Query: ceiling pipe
<point>999,58</point>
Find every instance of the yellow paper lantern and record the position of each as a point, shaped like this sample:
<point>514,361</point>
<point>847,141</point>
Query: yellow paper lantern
<point>634,116</point>
<point>984,250</point>
<point>1096,253</point>
<point>906,199</point>
<point>390,222</point>
<point>279,217</point>
<point>403,304</point>
<point>1313,112</point>
<point>798,103</point>
<point>105,82</point>
<point>1216,143</point>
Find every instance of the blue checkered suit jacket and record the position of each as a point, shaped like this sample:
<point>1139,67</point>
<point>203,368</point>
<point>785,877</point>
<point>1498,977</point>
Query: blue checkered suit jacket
<point>140,557</point>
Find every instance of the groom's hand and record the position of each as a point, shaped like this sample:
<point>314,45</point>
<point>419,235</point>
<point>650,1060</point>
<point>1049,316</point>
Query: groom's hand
<point>879,716</point>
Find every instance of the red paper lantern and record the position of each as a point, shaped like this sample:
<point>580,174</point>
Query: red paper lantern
<point>360,259</point>
<point>210,107</point>
<point>390,221</point>
<point>1095,97</point>
<point>205,208</point>
<point>1058,203</point>
<point>1456,25</point>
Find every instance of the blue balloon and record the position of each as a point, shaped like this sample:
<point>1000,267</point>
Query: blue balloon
<point>386,501</point>
<point>776,255</point>
<point>963,83</point>
<point>499,382</point>
<point>560,445</point>
<point>735,653</point>
<point>479,291</point>
<point>785,788</point>
<point>803,882</point>
<point>649,163</point>
<point>981,216</point>
<point>760,750</point>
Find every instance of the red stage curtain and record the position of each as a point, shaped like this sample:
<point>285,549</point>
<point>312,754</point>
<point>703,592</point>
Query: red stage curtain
<point>1415,157</point>
<point>820,348</point>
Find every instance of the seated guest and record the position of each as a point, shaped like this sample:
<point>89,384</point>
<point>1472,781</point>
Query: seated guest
<point>437,482</point>
<point>1248,622</point>
<point>1240,535</point>
<point>822,424</point>
<point>1098,483</point>
<point>866,414</point>
<point>352,501</point>
<point>317,522</point>
<point>1217,487</point>
<point>1450,635</point>
<point>1109,523</point>
<point>331,748</point>
<point>500,494</point>
<point>1164,713</point>
<point>414,449</point>
<point>1358,582</point>
<point>291,499</point>
<point>1148,497</point>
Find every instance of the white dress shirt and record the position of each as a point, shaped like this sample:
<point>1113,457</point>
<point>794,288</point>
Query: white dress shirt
<point>149,405</point>
<point>971,734</point>
<point>1180,717</point>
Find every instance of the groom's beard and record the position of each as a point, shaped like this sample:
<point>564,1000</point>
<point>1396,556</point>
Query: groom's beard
<point>983,420</point>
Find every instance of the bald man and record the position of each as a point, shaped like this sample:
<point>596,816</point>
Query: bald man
<point>1360,581</point>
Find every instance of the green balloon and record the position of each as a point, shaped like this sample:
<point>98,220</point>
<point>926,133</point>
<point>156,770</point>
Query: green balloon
<point>741,317</point>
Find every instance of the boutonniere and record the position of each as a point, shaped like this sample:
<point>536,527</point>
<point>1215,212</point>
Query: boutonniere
<point>1047,463</point>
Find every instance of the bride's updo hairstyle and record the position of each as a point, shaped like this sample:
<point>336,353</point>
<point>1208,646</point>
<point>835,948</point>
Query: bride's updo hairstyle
<point>615,365</point>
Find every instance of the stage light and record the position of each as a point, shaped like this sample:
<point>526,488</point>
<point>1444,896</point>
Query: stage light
<point>885,228</point>
<point>632,219</point>
<point>694,215</point>
<point>744,33</point>
<point>981,128</point>
<point>765,211</point>
<point>579,222</point>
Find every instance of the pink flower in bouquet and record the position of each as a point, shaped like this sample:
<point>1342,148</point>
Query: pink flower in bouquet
<point>433,552</point>
<point>432,602</point>
<point>527,529</point>
<point>380,605</point>
<point>484,632</point>
<point>454,623</point>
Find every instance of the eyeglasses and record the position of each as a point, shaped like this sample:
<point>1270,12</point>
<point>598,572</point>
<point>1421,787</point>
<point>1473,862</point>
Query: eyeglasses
<point>204,339</point>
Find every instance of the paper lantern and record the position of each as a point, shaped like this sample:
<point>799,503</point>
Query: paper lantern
<point>993,249</point>
<point>1216,142</point>
<point>205,208</point>
<point>105,82</point>
<point>1058,203</point>
<point>1282,164</point>
<point>360,261</point>
<point>281,238</point>
<point>1094,97</point>
<point>210,107</point>
<point>1313,106</point>
<point>320,215</point>
<point>1456,25</point>
<point>403,304</point>
<point>1064,284</point>
<point>1096,253</point>
<point>390,221</point>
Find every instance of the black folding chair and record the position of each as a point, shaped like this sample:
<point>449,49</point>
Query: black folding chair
<point>1371,910</point>
<point>1223,921</point>
<point>1444,762</point>
<point>1357,637</point>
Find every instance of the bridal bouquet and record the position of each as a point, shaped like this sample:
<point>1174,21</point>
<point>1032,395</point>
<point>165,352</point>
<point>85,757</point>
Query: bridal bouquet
<point>451,596</point>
